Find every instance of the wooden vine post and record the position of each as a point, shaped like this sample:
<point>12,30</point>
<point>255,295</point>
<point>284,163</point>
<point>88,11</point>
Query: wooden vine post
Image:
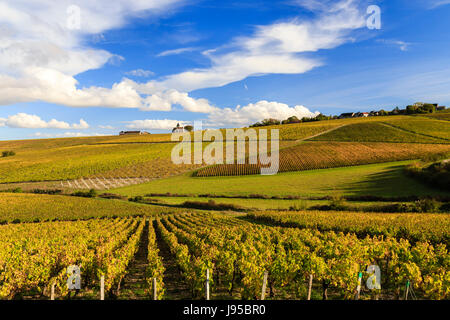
<point>207,284</point>
<point>358,288</point>
<point>102,288</point>
<point>155,294</point>
<point>310,286</point>
<point>52,293</point>
<point>264,286</point>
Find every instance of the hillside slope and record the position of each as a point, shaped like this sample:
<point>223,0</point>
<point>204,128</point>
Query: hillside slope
<point>148,156</point>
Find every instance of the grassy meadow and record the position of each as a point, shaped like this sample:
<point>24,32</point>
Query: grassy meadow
<point>385,179</point>
<point>262,204</point>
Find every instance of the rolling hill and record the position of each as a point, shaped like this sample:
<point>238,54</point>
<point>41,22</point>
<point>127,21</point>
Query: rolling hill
<point>313,145</point>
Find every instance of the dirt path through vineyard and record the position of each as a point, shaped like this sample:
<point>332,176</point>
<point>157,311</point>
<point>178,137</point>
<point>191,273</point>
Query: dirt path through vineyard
<point>134,285</point>
<point>175,286</point>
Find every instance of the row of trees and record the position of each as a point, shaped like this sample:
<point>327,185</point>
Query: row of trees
<point>293,119</point>
<point>417,108</point>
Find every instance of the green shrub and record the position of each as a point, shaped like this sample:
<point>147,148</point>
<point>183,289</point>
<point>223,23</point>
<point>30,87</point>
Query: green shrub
<point>338,203</point>
<point>47,191</point>
<point>445,207</point>
<point>90,194</point>
<point>8,154</point>
<point>112,196</point>
<point>211,205</point>
<point>136,199</point>
<point>427,205</point>
<point>15,190</point>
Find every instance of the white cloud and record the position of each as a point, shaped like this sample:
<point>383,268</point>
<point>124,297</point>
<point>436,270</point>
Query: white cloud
<point>402,45</point>
<point>275,48</point>
<point>106,127</point>
<point>154,124</point>
<point>233,117</point>
<point>437,3</point>
<point>140,73</point>
<point>82,125</point>
<point>164,100</point>
<point>254,112</point>
<point>23,120</point>
<point>175,51</point>
<point>40,55</point>
<point>67,134</point>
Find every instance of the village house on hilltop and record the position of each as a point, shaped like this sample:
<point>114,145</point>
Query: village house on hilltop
<point>178,128</point>
<point>124,133</point>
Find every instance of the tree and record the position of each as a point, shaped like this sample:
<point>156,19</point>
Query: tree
<point>411,109</point>
<point>427,108</point>
<point>189,128</point>
<point>8,154</point>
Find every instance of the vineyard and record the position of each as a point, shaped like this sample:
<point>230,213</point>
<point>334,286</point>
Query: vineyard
<point>383,132</point>
<point>439,116</point>
<point>17,207</point>
<point>35,256</point>
<point>323,155</point>
<point>301,131</point>
<point>94,162</point>
<point>414,227</point>
<point>141,240</point>
<point>430,128</point>
<point>237,254</point>
<point>72,162</point>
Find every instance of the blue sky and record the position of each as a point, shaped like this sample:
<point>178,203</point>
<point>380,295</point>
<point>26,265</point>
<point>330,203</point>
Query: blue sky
<point>149,64</point>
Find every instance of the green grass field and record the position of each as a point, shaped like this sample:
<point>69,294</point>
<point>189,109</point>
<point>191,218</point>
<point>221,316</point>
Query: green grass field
<point>263,204</point>
<point>386,179</point>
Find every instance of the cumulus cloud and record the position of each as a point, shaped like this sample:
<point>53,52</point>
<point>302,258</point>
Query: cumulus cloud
<point>165,99</point>
<point>24,120</point>
<point>40,55</point>
<point>233,117</point>
<point>254,112</point>
<point>66,134</point>
<point>154,124</point>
